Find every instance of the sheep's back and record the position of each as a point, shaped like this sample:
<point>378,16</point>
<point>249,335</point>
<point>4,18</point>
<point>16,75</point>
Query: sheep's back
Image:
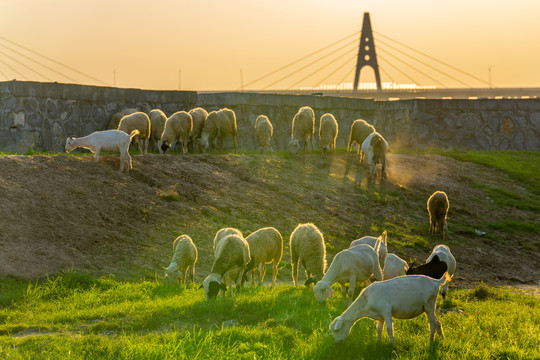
<point>231,252</point>
<point>136,121</point>
<point>308,243</point>
<point>223,233</point>
<point>265,245</point>
<point>185,251</point>
<point>226,123</point>
<point>303,122</point>
<point>157,123</point>
<point>438,204</point>
<point>360,130</point>
<point>199,116</point>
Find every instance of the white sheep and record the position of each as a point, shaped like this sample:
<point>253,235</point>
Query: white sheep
<point>353,265</point>
<point>404,297</point>
<point>360,130</point>
<point>184,256</point>
<point>437,206</point>
<point>199,116</point>
<point>157,125</point>
<point>232,255</point>
<point>375,148</point>
<point>328,131</point>
<point>379,244</point>
<point>303,127</point>
<point>218,125</point>
<point>394,267</point>
<point>265,247</point>
<point>263,131</point>
<point>177,128</point>
<point>222,233</point>
<point>107,140</point>
<point>307,247</point>
<point>115,119</point>
<point>137,121</point>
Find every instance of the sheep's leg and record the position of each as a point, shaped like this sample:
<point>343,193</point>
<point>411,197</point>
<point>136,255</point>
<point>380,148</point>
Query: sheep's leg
<point>192,274</point>
<point>344,293</point>
<point>122,160</point>
<point>380,325</point>
<point>96,154</point>
<point>184,275</point>
<point>253,277</point>
<point>390,327</point>
<point>294,266</point>
<point>262,272</point>
<point>311,141</point>
<point>352,288</point>
<point>146,143</point>
<point>434,323</point>
<point>444,290</point>
<point>234,142</point>
<point>274,273</point>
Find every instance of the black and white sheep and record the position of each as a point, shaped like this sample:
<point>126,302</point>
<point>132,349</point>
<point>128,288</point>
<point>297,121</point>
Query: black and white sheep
<point>263,132</point>
<point>439,262</point>
<point>308,248</point>
<point>437,206</point>
<point>403,297</point>
<point>328,131</point>
<point>353,265</point>
<point>360,130</point>
<point>107,140</point>
<point>232,255</point>
<point>199,116</point>
<point>137,121</point>
<point>184,257</point>
<point>157,125</point>
<point>218,125</point>
<point>177,128</point>
<point>265,247</point>
<point>303,127</point>
<point>375,148</point>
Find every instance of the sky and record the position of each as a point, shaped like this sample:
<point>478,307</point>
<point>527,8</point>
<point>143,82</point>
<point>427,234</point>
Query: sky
<point>207,45</point>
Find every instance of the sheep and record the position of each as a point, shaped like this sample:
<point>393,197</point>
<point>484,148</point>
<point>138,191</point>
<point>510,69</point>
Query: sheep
<point>307,247</point>
<point>265,246</point>
<point>141,122</point>
<point>115,119</point>
<point>439,261</point>
<point>199,116</point>
<point>106,140</point>
<point>394,267</point>
<point>184,256</point>
<point>375,148</point>
<point>157,125</point>
<point>232,255</point>
<point>352,265</point>
<point>437,206</point>
<point>177,128</point>
<point>263,131</point>
<point>222,233</point>
<point>328,131</point>
<point>218,125</point>
<point>403,297</point>
<point>379,244</point>
<point>360,130</point>
<point>303,127</point>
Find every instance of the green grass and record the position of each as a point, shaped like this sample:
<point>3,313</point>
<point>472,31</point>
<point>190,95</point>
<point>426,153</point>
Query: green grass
<point>83,317</point>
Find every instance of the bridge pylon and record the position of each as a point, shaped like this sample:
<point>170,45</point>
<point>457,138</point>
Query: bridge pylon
<point>366,53</point>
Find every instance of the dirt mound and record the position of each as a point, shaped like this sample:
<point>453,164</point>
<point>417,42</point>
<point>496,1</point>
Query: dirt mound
<point>61,212</point>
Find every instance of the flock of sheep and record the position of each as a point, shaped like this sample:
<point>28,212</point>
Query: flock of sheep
<point>394,289</point>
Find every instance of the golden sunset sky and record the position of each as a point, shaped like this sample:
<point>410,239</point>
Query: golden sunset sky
<point>220,45</point>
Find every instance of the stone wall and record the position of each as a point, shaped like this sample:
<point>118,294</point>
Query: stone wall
<point>41,115</point>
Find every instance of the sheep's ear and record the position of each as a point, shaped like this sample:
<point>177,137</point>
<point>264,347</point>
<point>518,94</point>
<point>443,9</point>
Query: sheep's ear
<point>331,293</point>
<point>200,287</point>
<point>336,324</point>
<point>383,237</point>
<point>222,286</point>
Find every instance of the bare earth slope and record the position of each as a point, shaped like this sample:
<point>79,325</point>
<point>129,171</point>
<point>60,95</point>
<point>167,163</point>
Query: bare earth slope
<point>62,212</point>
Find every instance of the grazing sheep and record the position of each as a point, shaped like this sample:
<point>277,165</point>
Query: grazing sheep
<point>184,256</point>
<point>404,297</point>
<point>263,131</point>
<point>437,206</point>
<point>265,246</point>
<point>328,131</point>
<point>232,255</point>
<point>199,116</point>
<point>177,128</point>
<point>222,233</point>
<point>307,247</point>
<point>379,244</point>
<point>107,140</point>
<point>303,127</point>
<point>115,119</point>
<point>440,261</point>
<point>157,125</point>
<point>353,265</point>
<point>360,130</point>
<point>218,125</point>
<point>375,148</point>
<point>137,121</point>
<point>394,267</point>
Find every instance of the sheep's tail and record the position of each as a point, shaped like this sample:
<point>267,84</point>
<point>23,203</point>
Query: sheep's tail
<point>133,133</point>
<point>444,279</point>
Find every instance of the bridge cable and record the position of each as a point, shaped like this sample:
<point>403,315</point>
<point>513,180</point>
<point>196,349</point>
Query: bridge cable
<point>398,69</point>
<point>26,66</point>
<point>13,69</point>
<point>339,68</point>
<point>387,74</point>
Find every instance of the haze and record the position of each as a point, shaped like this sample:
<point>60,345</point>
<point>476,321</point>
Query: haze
<point>220,45</point>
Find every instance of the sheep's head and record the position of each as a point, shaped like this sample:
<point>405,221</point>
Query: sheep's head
<point>339,330</point>
<point>171,274</point>
<point>323,291</point>
<point>164,147</point>
<point>70,144</point>
<point>212,285</point>
<point>203,142</point>
<point>294,145</point>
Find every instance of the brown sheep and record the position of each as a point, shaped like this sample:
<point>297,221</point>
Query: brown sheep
<point>360,130</point>
<point>437,206</point>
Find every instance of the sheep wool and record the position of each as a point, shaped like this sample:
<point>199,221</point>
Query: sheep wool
<point>157,125</point>
<point>328,131</point>
<point>307,247</point>
<point>115,119</point>
<point>199,116</point>
<point>303,127</point>
<point>437,206</point>
<point>360,130</point>
<point>177,128</point>
<point>263,131</point>
<point>137,121</point>
<point>184,256</point>
<point>218,125</point>
<point>375,148</point>
<point>265,247</point>
<point>222,233</point>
